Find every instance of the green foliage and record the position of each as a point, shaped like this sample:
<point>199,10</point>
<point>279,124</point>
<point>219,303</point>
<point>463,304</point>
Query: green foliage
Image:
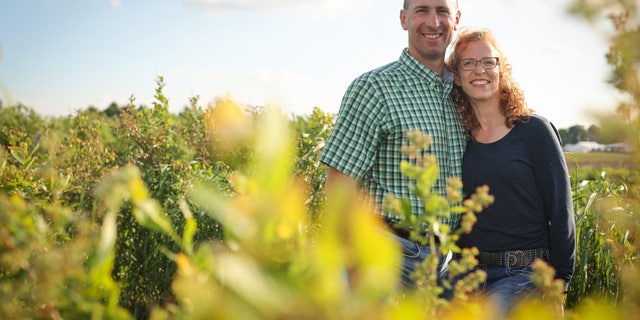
<point>605,223</point>
<point>311,132</point>
<point>82,151</point>
<point>54,265</point>
<point>610,219</point>
<point>229,125</point>
<point>18,123</point>
<point>424,171</point>
<point>106,214</point>
<point>152,140</point>
<point>65,160</point>
<point>272,265</point>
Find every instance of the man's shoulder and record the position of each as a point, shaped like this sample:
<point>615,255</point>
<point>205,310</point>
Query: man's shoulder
<point>387,71</point>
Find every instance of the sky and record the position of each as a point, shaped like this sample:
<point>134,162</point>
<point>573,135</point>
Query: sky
<point>61,56</point>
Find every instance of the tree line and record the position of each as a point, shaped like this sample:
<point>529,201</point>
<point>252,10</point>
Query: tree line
<point>571,135</point>
<point>577,133</point>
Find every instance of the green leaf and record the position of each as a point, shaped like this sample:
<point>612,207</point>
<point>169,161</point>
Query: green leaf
<point>409,169</point>
<point>149,214</point>
<point>187,236</point>
<point>434,204</point>
<point>18,156</point>
<point>428,177</point>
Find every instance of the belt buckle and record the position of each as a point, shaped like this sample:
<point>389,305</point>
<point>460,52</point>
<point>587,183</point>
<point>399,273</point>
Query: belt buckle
<point>515,256</point>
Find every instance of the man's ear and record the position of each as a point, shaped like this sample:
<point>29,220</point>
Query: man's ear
<point>403,17</point>
<point>458,14</point>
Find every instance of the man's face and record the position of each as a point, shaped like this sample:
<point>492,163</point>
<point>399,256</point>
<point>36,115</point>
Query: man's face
<point>430,24</point>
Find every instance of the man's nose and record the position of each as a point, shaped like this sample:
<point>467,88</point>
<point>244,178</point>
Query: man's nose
<point>432,19</point>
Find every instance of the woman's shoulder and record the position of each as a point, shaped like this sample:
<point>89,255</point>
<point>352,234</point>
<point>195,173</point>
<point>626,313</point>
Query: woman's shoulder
<point>537,121</point>
<point>539,128</point>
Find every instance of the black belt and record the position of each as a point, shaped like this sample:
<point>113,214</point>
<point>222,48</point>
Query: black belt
<point>404,233</point>
<point>515,258</point>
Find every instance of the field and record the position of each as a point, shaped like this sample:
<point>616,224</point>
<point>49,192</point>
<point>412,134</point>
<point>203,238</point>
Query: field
<point>150,215</point>
<point>598,160</point>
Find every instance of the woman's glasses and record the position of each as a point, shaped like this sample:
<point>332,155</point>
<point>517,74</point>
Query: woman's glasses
<point>470,64</point>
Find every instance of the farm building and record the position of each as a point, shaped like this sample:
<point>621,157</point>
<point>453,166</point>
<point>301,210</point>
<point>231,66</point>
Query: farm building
<point>619,147</point>
<point>584,146</point>
<point>591,146</point>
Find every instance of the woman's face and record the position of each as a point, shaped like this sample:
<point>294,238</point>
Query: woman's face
<point>481,81</point>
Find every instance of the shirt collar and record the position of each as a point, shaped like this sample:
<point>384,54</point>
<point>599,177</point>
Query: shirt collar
<point>420,69</point>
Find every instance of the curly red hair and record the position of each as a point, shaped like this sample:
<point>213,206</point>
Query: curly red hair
<point>512,99</point>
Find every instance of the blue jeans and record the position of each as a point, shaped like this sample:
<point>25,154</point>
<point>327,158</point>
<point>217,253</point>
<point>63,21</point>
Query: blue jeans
<point>506,287</point>
<point>412,255</point>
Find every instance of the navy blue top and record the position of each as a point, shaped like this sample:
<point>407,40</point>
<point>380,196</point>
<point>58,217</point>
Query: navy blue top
<point>527,174</point>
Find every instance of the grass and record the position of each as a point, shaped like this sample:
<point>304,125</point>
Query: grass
<point>598,160</point>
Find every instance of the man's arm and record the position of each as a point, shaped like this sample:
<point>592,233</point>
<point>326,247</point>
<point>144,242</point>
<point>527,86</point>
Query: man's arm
<point>341,189</point>
<point>341,192</point>
<point>337,179</point>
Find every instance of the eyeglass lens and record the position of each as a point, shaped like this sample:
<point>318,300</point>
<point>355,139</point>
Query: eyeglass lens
<point>487,63</point>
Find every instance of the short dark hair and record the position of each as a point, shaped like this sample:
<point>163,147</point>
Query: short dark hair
<point>405,4</point>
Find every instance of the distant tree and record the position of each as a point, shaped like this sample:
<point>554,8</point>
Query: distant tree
<point>564,136</point>
<point>21,118</point>
<point>574,134</point>
<point>593,133</point>
<point>112,110</point>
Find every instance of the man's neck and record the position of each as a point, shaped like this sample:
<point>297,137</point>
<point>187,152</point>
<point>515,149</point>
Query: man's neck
<point>434,64</point>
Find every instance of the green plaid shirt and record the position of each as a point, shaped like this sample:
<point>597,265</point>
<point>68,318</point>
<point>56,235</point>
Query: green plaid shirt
<point>378,108</point>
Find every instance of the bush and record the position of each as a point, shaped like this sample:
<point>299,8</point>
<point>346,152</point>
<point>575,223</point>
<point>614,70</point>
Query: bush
<point>140,215</point>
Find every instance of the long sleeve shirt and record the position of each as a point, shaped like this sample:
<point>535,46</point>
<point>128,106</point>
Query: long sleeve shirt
<point>527,174</point>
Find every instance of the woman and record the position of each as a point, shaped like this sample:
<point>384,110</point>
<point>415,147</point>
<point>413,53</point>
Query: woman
<point>519,156</point>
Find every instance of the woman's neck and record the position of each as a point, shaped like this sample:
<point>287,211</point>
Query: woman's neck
<point>492,122</point>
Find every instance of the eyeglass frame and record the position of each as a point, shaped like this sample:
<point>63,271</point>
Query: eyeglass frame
<point>475,63</point>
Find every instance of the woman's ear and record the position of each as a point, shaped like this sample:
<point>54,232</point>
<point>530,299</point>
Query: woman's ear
<point>456,80</point>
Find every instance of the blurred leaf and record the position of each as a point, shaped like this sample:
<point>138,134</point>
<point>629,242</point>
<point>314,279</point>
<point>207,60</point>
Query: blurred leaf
<point>275,152</point>
<point>149,214</point>
<point>376,254</point>
<point>224,210</point>
<point>190,229</point>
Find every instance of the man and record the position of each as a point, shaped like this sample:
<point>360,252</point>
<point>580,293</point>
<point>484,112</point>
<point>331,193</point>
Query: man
<point>380,106</point>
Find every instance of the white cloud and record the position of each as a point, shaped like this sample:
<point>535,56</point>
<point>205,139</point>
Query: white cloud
<point>291,90</point>
<point>227,6</point>
<point>288,90</point>
<point>267,86</point>
<point>115,3</point>
<point>177,72</point>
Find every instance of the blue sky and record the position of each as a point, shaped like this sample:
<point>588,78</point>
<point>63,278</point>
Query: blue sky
<point>59,56</point>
